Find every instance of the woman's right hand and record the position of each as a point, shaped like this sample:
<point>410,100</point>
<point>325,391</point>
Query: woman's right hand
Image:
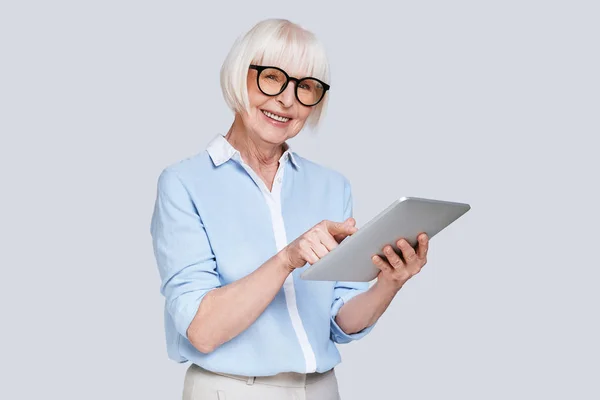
<point>316,242</point>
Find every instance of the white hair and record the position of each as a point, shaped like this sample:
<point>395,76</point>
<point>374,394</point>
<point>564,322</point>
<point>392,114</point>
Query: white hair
<point>274,42</point>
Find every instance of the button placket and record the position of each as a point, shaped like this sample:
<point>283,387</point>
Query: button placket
<point>273,199</point>
<point>288,286</point>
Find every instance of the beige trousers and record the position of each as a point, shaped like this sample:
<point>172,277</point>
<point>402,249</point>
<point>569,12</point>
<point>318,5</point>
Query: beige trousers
<point>200,384</point>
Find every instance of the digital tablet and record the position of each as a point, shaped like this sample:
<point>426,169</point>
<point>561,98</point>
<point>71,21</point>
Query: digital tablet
<point>404,218</point>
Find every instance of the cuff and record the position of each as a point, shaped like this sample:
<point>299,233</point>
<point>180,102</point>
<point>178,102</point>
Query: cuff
<point>337,334</point>
<point>185,311</point>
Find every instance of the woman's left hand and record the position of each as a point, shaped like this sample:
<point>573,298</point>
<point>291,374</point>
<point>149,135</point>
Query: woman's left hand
<point>395,272</point>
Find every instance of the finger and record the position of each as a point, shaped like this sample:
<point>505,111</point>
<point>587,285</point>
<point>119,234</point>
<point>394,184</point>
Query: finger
<point>319,249</point>
<point>423,246</point>
<point>327,240</point>
<point>381,264</point>
<point>407,251</point>
<point>350,221</point>
<point>341,236</point>
<point>307,252</point>
<point>352,229</point>
<point>310,257</point>
<point>393,258</point>
<point>340,228</point>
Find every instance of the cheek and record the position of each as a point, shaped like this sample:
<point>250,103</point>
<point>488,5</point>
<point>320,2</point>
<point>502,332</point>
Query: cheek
<point>255,97</point>
<point>304,114</point>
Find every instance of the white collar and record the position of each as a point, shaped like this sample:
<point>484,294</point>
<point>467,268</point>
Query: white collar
<point>220,151</point>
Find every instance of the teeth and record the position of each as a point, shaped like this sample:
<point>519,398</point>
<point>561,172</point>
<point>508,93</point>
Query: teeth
<point>276,117</point>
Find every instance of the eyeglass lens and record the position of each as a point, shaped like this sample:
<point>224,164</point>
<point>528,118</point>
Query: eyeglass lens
<point>309,91</point>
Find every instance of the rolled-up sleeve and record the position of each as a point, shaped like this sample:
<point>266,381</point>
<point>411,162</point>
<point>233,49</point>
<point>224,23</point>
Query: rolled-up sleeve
<point>182,250</point>
<point>344,291</point>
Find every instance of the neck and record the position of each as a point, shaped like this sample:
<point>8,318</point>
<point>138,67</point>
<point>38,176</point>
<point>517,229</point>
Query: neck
<point>263,157</point>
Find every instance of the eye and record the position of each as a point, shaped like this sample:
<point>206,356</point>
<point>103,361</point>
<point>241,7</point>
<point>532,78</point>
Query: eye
<point>305,86</point>
<point>273,77</point>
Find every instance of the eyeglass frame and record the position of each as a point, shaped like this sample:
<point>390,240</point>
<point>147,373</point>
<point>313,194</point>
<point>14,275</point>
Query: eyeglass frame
<point>261,68</point>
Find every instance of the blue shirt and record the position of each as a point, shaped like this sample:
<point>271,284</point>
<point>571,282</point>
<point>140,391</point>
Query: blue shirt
<point>214,222</point>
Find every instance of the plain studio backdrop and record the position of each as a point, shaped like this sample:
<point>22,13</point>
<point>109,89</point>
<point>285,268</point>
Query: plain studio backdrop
<point>491,103</point>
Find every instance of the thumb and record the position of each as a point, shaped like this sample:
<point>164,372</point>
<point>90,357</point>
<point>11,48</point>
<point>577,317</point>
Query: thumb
<point>350,222</point>
<point>349,231</point>
<point>336,228</point>
<point>349,226</point>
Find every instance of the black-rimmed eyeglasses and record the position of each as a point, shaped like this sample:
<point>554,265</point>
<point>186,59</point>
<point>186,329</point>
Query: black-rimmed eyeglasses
<point>272,81</point>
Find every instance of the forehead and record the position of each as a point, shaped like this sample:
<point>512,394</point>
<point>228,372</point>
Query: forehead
<point>293,69</point>
<point>293,72</point>
<point>296,59</point>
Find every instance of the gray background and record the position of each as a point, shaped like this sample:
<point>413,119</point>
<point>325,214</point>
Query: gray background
<point>491,103</point>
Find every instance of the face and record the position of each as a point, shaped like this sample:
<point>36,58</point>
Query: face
<point>274,118</point>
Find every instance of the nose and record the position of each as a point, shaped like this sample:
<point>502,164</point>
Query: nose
<point>287,97</point>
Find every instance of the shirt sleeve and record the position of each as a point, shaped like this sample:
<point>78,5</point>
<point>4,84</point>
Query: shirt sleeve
<point>182,250</point>
<point>344,291</point>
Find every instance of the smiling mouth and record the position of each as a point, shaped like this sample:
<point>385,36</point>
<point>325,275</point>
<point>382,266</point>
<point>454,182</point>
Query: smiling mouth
<point>275,117</point>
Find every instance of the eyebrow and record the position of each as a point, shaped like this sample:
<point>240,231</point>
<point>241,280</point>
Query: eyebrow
<point>298,76</point>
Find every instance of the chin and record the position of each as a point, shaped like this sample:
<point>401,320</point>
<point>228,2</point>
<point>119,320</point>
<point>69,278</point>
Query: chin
<point>275,136</point>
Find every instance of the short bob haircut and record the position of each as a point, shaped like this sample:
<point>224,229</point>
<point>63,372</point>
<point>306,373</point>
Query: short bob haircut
<point>280,43</point>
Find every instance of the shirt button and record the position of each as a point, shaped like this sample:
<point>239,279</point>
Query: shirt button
<point>279,179</point>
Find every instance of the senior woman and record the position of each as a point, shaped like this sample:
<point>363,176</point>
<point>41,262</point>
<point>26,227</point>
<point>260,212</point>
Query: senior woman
<point>235,225</point>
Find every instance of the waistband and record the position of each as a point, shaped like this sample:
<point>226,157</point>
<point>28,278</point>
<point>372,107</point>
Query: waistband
<point>285,379</point>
